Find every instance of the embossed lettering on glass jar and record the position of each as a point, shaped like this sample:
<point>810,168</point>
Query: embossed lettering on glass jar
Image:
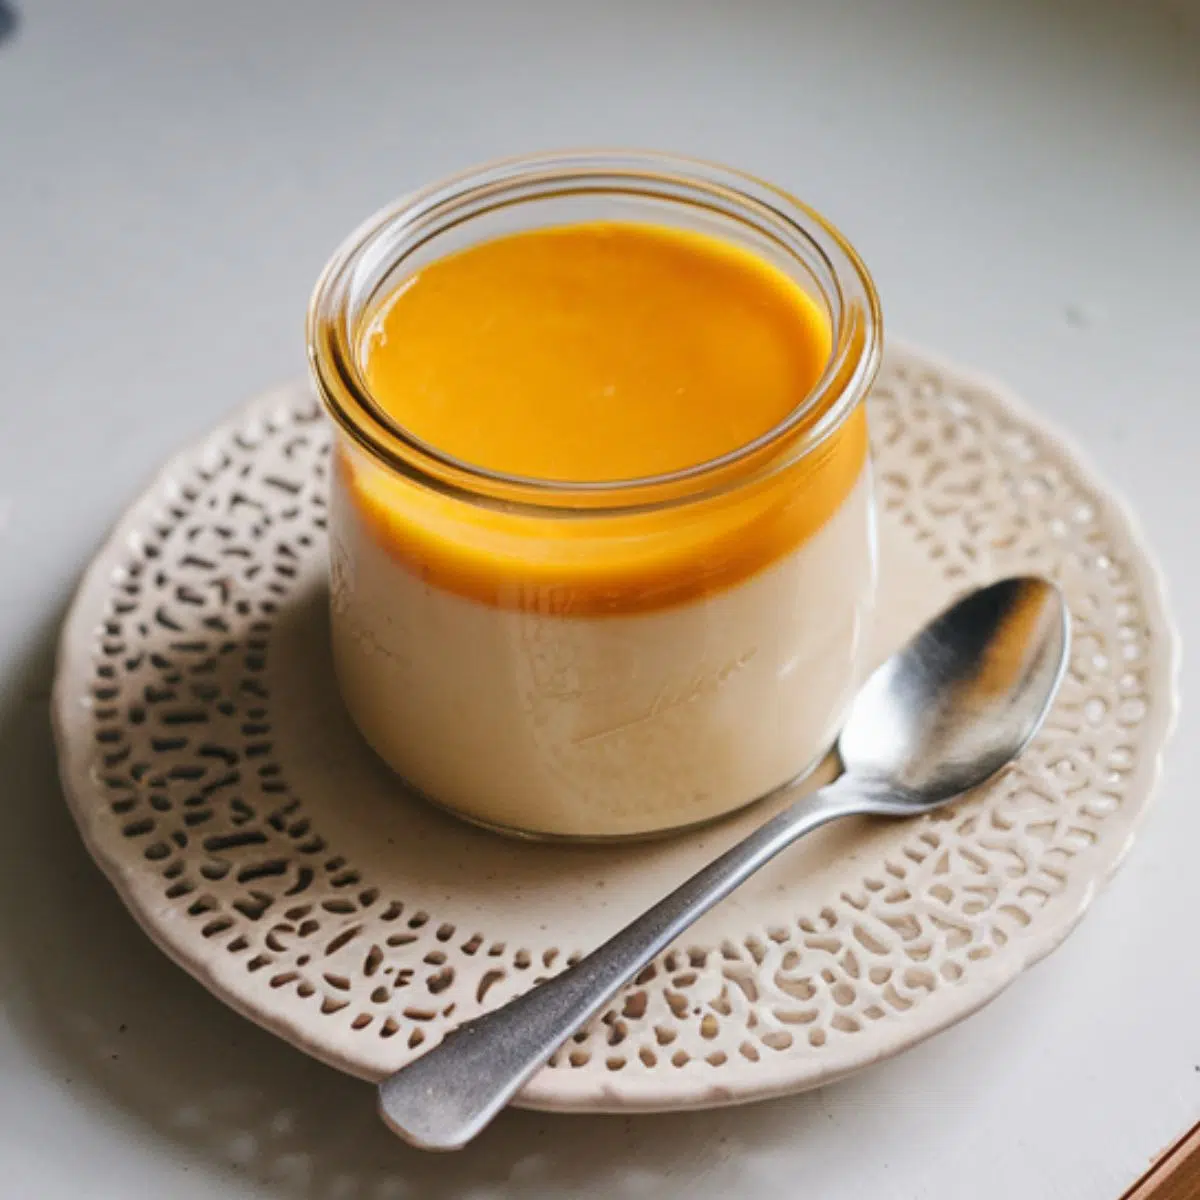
<point>598,658</point>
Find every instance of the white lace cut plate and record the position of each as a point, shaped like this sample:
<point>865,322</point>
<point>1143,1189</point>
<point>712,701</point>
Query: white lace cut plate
<point>218,782</point>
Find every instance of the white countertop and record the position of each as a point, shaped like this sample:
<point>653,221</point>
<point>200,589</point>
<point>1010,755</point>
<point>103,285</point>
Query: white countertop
<point>1024,179</point>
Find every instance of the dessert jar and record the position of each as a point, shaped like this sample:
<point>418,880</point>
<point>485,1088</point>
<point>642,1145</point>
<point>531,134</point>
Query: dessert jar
<point>599,659</point>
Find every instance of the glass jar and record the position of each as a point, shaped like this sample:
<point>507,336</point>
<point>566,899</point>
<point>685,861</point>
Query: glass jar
<point>599,660</point>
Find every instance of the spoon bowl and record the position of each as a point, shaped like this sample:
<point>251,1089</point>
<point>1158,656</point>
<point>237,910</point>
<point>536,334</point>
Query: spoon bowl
<point>963,698</point>
<point>941,716</point>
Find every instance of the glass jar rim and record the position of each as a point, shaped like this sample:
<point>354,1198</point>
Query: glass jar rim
<point>405,226</point>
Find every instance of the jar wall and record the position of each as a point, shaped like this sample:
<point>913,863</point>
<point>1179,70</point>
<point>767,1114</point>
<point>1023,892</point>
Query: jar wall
<point>602,725</point>
<point>600,660</point>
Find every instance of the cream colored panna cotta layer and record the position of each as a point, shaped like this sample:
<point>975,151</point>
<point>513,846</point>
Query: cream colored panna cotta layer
<point>605,725</point>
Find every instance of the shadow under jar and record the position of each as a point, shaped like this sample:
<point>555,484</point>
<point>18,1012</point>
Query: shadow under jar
<point>591,657</point>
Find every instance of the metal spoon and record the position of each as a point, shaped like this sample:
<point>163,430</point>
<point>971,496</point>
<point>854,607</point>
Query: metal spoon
<point>941,716</point>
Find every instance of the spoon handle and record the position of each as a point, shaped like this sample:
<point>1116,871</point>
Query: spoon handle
<point>448,1095</point>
